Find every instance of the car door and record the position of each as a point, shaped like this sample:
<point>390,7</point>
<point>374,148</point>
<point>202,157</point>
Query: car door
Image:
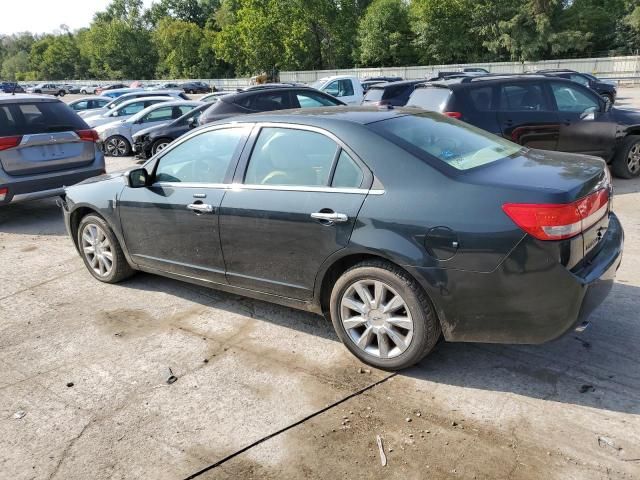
<point>172,225</point>
<point>526,115</point>
<point>342,89</point>
<point>295,199</point>
<point>585,124</point>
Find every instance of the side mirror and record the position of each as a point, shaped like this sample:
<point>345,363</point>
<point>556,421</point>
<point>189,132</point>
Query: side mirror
<point>137,178</point>
<point>193,123</point>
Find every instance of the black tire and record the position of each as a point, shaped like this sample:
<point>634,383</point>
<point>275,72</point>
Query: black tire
<point>626,161</point>
<point>426,328</point>
<point>83,91</point>
<point>155,148</point>
<point>61,93</point>
<point>120,268</point>
<point>117,146</point>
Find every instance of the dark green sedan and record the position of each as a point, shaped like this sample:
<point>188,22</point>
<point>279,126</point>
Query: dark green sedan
<point>401,226</point>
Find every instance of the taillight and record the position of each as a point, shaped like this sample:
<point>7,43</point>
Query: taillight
<point>457,115</point>
<point>10,142</point>
<point>88,135</point>
<point>3,193</point>
<point>559,221</point>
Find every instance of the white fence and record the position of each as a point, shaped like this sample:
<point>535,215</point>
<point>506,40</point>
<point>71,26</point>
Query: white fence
<point>623,69</point>
<point>618,68</point>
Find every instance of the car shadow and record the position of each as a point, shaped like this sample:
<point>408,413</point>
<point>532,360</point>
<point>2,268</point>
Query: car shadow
<point>624,187</point>
<point>599,368</point>
<point>37,217</point>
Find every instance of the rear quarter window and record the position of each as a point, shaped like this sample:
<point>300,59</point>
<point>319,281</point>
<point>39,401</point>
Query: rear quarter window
<point>27,118</point>
<point>374,95</point>
<point>430,98</point>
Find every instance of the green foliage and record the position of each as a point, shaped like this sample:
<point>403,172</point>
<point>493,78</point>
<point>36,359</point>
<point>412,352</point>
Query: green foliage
<point>384,36</point>
<point>223,38</point>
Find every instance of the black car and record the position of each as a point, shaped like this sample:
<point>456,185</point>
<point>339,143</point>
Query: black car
<point>394,93</point>
<point>266,100</point>
<point>400,225</point>
<point>149,142</point>
<point>195,87</point>
<point>606,90</point>
<point>10,87</point>
<point>540,111</point>
<point>382,79</point>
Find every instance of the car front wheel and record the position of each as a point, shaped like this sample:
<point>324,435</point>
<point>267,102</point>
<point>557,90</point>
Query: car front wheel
<point>383,316</point>
<point>626,162</point>
<point>101,250</point>
<point>117,146</point>
<point>61,93</point>
<point>160,145</point>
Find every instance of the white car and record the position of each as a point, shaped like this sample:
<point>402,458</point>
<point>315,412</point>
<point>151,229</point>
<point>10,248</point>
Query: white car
<point>213,97</point>
<point>172,94</point>
<point>344,87</point>
<point>124,110</point>
<point>117,137</point>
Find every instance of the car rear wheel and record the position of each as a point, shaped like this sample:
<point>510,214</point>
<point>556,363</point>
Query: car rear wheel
<point>101,251</point>
<point>160,145</point>
<point>626,162</point>
<point>383,316</point>
<point>117,146</point>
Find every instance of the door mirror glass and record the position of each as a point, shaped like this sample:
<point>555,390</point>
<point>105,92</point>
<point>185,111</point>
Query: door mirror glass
<point>138,178</point>
<point>193,123</point>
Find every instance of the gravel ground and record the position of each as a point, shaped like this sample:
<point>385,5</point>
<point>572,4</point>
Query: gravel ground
<point>84,395</point>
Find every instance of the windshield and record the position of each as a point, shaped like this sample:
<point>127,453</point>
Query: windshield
<point>318,84</point>
<point>453,143</point>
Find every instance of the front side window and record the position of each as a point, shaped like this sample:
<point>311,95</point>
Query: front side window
<point>340,88</point>
<point>158,115</point>
<point>285,156</point>
<point>440,139</point>
<point>572,99</point>
<point>523,97</point>
<point>204,158</point>
<point>81,105</point>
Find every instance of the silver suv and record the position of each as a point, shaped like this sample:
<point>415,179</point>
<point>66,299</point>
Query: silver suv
<point>44,146</point>
<point>48,89</point>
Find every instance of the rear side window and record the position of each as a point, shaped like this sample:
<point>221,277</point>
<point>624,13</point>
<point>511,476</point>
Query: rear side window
<point>482,98</point>
<point>374,95</point>
<point>430,98</point>
<point>437,138</point>
<point>523,97</point>
<point>311,100</point>
<point>348,174</point>
<point>286,156</point>
<point>265,102</point>
<point>38,117</point>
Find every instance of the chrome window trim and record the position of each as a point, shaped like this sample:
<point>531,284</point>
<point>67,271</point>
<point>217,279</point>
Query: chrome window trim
<point>281,188</point>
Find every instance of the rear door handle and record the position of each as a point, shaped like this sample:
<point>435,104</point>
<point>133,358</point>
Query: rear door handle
<point>200,207</point>
<point>330,217</point>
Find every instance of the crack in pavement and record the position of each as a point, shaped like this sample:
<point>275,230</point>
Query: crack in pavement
<point>289,427</point>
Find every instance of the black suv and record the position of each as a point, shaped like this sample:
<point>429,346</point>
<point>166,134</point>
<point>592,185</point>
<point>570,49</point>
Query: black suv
<point>606,90</point>
<point>266,100</point>
<point>393,93</point>
<point>540,111</point>
<point>195,87</point>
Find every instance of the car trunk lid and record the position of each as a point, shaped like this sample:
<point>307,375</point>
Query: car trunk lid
<point>43,136</point>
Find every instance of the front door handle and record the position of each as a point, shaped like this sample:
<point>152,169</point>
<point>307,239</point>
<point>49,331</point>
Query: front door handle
<point>200,207</point>
<point>330,217</point>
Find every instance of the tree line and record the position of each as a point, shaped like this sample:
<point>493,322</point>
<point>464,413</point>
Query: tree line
<point>226,38</point>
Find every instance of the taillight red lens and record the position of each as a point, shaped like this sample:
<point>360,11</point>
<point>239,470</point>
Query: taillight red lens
<point>10,142</point>
<point>559,221</point>
<point>3,193</point>
<point>88,135</point>
<point>453,114</point>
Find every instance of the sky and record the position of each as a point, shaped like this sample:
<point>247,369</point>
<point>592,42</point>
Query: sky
<point>45,16</point>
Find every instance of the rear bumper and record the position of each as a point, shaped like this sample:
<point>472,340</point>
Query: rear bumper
<point>530,298</point>
<point>47,184</point>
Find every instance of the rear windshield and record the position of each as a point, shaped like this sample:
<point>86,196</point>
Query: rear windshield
<point>374,95</point>
<point>430,98</point>
<point>27,118</point>
<point>453,143</point>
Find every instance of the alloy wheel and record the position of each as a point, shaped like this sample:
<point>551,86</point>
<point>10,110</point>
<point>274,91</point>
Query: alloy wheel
<point>116,147</point>
<point>97,249</point>
<point>633,159</point>
<point>376,318</point>
<point>160,146</point>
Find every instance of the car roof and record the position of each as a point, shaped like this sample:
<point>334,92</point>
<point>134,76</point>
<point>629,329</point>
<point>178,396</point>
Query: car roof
<point>335,77</point>
<point>324,116</point>
<point>461,82</point>
<point>26,97</point>
<point>92,97</point>
<point>399,83</point>
<point>140,99</point>
<point>255,91</point>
